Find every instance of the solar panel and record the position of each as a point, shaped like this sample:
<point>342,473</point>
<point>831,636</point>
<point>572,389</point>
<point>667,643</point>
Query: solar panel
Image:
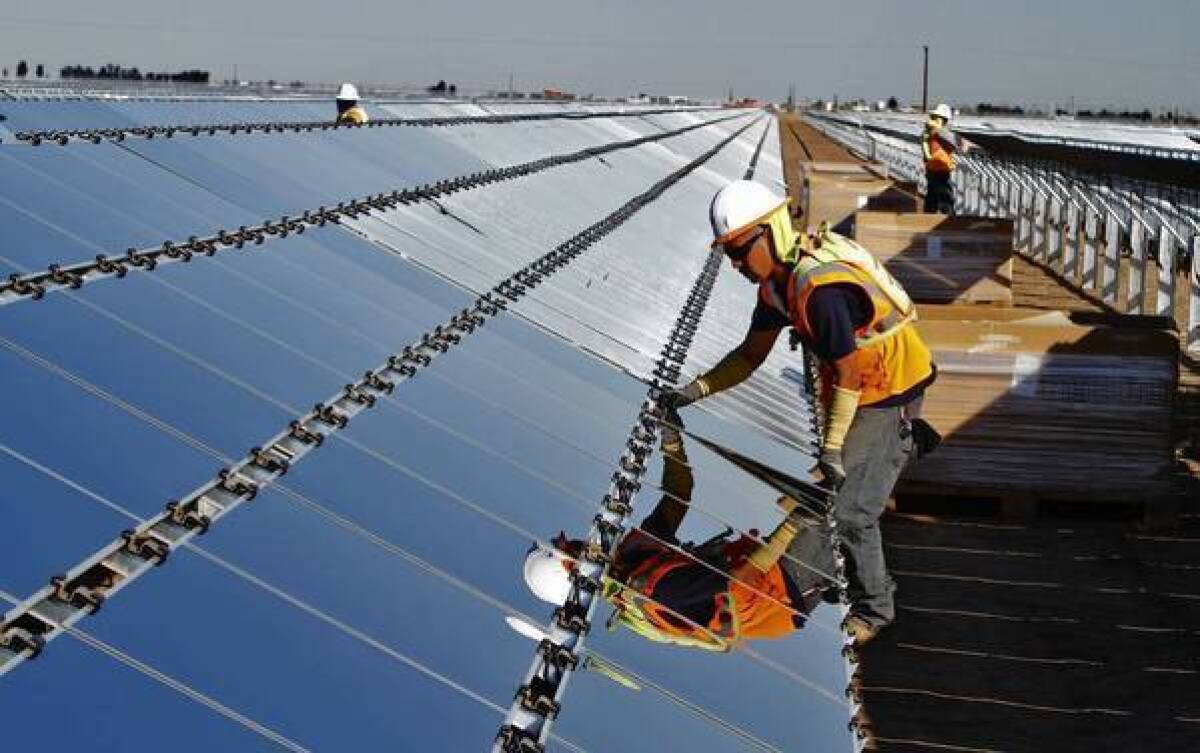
<point>362,592</point>
<point>296,670</point>
<point>51,524</point>
<point>113,706</point>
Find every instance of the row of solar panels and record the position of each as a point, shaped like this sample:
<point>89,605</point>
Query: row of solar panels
<point>19,116</point>
<point>1170,141</point>
<point>359,601</point>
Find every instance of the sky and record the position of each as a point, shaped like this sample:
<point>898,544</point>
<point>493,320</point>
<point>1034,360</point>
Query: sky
<point>1017,51</point>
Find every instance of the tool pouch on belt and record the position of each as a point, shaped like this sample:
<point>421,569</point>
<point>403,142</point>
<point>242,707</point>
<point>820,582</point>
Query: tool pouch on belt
<point>925,438</point>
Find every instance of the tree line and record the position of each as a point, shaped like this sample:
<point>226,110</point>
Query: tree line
<point>114,72</point>
<point>23,70</point>
<point>111,72</point>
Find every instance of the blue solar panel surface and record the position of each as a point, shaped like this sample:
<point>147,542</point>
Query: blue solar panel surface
<point>359,600</point>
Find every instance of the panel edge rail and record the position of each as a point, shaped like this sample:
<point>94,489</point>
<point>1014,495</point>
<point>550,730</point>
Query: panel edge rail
<point>27,628</point>
<point>35,285</point>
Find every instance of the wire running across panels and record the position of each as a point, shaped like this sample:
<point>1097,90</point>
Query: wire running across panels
<point>359,601</point>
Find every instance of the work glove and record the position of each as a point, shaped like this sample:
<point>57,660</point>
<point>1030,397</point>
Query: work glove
<point>682,396</point>
<point>830,464</point>
<point>925,438</point>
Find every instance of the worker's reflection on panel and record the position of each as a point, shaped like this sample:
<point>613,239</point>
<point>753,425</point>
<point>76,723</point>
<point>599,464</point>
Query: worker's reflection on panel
<point>708,596</point>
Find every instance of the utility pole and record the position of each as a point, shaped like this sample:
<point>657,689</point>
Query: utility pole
<point>925,80</point>
<point>510,86</point>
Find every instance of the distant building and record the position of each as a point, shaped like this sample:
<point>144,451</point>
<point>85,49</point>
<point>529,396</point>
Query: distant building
<point>745,102</point>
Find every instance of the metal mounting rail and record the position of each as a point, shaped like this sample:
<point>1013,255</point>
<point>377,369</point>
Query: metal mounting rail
<point>1079,142</point>
<point>753,166</point>
<point>96,135</point>
<point>82,590</point>
<point>34,286</point>
<point>539,698</point>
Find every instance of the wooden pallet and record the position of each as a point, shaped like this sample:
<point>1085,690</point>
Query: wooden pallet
<point>1017,505</point>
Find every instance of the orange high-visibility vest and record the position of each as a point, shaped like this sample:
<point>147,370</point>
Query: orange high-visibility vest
<point>761,610</point>
<point>890,356</point>
<point>938,157</point>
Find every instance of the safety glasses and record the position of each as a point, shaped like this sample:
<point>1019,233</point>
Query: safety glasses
<point>741,250</point>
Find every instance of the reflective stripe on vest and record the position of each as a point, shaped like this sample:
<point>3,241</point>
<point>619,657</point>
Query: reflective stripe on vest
<point>890,356</point>
<point>632,616</point>
<point>646,577</point>
<point>841,260</point>
<point>809,277</point>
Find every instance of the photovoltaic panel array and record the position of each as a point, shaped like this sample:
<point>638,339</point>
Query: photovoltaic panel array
<point>368,368</point>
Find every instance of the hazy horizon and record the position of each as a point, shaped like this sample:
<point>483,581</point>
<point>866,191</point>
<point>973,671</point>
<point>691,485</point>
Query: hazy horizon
<point>1023,52</point>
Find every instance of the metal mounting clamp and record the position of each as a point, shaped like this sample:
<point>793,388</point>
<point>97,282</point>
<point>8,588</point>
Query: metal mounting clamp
<point>538,697</point>
<point>146,546</point>
<point>513,739</point>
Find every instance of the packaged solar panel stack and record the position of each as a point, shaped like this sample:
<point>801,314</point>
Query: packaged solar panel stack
<point>1048,404</point>
<point>941,259</point>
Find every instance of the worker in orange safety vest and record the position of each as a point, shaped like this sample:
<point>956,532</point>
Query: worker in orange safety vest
<point>939,148</point>
<point>857,321</point>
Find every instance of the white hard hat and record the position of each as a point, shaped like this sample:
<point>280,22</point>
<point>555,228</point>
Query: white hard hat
<point>943,111</point>
<point>546,576</point>
<point>348,92</point>
<point>739,205</point>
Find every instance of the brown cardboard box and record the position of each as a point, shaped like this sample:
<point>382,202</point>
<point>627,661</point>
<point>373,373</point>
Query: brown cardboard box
<point>833,193</point>
<point>941,259</point>
<point>894,199</point>
<point>1042,404</point>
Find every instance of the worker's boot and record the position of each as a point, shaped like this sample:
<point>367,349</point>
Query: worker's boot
<point>860,629</point>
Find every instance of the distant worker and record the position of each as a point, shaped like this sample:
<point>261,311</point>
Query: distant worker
<point>349,111</point>
<point>858,323</point>
<point>939,147</point>
<point>709,596</point>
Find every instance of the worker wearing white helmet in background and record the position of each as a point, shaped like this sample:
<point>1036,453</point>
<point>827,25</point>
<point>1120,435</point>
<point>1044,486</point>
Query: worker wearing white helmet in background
<point>349,111</point>
<point>940,147</point>
<point>857,321</point>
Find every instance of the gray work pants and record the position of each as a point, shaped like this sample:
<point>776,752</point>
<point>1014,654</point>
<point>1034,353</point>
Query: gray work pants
<point>876,448</point>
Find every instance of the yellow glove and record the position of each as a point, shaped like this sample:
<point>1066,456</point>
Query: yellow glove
<point>842,408</point>
<point>767,554</point>
<point>837,424</point>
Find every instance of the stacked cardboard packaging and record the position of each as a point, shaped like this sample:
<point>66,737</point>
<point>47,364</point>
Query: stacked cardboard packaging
<point>1038,402</point>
